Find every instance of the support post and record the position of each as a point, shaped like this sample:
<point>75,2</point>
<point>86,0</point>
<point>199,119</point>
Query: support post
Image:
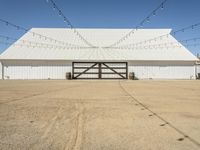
<point>126,70</point>
<point>72,70</point>
<point>100,75</point>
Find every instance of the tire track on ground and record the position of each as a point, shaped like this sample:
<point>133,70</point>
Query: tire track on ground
<point>76,137</point>
<point>49,127</point>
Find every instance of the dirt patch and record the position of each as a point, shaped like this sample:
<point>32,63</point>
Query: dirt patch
<point>100,115</point>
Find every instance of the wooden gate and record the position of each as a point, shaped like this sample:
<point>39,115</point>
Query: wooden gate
<point>100,70</point>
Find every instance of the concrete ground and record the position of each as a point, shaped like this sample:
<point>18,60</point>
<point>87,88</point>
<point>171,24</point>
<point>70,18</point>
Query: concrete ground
<point>100,115</point>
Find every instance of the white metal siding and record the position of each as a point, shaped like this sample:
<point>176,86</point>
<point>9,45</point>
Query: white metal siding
<point>58,69</point>
<point>198,68</point>
<point>0,70</point>
<point>163,70</point>
<point>36,69</point>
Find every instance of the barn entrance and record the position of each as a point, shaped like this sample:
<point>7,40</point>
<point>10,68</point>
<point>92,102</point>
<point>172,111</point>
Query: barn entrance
<point>100,70</point>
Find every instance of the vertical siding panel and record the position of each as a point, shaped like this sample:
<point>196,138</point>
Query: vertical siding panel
<point>198,68</point>
<point>1,67</point>
<point>162,70</point>
<point>58,69</point>
<point>36,70</point>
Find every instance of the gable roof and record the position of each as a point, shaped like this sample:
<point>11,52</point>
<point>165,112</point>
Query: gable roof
<point>100,38</point>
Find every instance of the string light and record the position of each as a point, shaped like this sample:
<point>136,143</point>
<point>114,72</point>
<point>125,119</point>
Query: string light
<point>60,13</point>
<point>159,46</point>
<point>172,44</point>
<point>167,35</point>
<point>31,43</point>
<point>147,19</point>
<point>154,13</point>
<point>33,33</point>
<point>54,7</point>
<point>162,6</point>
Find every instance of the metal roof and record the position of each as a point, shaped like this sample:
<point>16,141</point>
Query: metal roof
<point>100,38</point>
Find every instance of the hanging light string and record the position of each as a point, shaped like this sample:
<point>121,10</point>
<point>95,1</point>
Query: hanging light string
<point>191,27</point>
<point>69,24</point>
<point>37,44</point>
<point>7,23</point>
<point>21,45</point>
<point>145,20</point>
<point>40,46</point>
<point>30,43</point>
<point>26,43</point>
<point>34,45</point>
<point>165,44</point>
<point>159,46</point>
<point>178,45</point>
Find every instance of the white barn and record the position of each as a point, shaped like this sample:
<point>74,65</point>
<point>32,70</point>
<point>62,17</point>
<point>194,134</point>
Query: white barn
<point>1,70</point>
<point>40,62</point>
<point>198,68</point>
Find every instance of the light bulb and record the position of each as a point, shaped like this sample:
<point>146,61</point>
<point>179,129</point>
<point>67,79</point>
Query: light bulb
<point>60,13</point>
<point>148,20</point>
<point>54,7</point>
<point>162,6</point>
<point>154,13</point>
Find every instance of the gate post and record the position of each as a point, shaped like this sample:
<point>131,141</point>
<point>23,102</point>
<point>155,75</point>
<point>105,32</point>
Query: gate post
<point>126,70</point>
<point>72,70</point>
<point>100,71</point>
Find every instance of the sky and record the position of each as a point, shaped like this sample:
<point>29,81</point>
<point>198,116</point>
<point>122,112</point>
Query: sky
<point>101,14</point>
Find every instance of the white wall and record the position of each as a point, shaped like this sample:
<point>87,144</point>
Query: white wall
<point>163,70</point>
<point>58,69</point>
<point>36,69</point>
<point>0,70</point>
<point>198,69</point>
